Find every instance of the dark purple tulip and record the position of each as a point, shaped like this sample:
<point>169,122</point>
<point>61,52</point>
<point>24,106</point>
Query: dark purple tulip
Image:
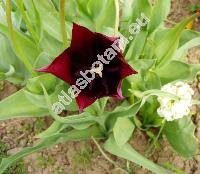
<point>93,65</point>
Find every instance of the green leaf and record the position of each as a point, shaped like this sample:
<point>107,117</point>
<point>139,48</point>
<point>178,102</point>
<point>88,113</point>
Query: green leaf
<point>136,46</point>
<point>25,103</point>
<point>152,80</point>
<point>26,23</point>
<point>127,10</point>
<point>160,12</point>
<point>50,45</point>
<point>50,20</point>
<point>33,15</point>
<point>180,71</point>
<point>128,153</point>
<point>149,113</point>
<point>8,59</point>
<point>48,80</point>
<point>42,60</point>
<point>26,45</point>
<point>143,64</point>
<point>50,141</point>
<point>131,10</point>
<point>94,14</point>
<point>168,44</point>
<point>104,21</point>
<point>17,105</point>
<point>121,111</point>
<point>188,35</point>
<point>180,134</point>
<point>52,130</point>
<point>123,130</point>
<point>183,50</point>
<point>96,8</point>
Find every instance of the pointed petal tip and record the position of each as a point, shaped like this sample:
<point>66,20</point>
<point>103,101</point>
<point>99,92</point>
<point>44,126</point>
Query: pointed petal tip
<point>119,97</point>
<point>44,69</point>
<point>119,94</point>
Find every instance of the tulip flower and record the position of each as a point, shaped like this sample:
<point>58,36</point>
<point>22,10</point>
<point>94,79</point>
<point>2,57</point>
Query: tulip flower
<point>93,65</point>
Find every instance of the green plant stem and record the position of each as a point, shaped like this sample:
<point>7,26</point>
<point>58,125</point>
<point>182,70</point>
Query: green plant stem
<point>62,22</point>
<point>107,158</point>
<point>28,23</point>
<point>116,17</point>
<point>155,140</point>
<point>18,51</point>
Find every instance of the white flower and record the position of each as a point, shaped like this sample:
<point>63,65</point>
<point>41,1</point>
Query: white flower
<point>171,109</point>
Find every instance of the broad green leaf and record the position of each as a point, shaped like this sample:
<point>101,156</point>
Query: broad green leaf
<point>123,130</point>
<point>50,45</point>
<point>188,35</point>
<point>149,113</point>
<point>70,10</point>
<point>50,20</point>
<point>180,71</point>
<point>24,44</point>
<point>127,10</point>
<point>39,100</point>
<point>137,82</point>
<point>52,130</point>
<point>104,21</point>
<point>152,80</point>
<point>121,111</point>
<point>50,141</point>
<point>26,24</point>
<point>57,127</point>
<point>168,44</point>
<point>48,80</point>
<point>96,8</point>
<point>24,103</point>
<point>128,153</point>
<point>131,11</point>
<point>33,15</point>
<point>180,134</point>
<point>159,13</point>
<point>81,126</point>
<point>143,64</point>
<point>94,14</point>
<point>183,50</point>
<point>136,47</point>
<point>8,58</point>
<point>17,105</point>
<point>42,60</point>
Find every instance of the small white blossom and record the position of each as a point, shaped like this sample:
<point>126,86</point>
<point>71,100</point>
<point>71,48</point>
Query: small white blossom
<point>171,109</point>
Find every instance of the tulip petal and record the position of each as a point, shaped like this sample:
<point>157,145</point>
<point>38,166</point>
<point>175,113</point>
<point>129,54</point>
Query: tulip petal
<point>126,70</point>
<point>84,101</point>
<point>81,38</point>
<point>119,95</point>
<point>60,67</point>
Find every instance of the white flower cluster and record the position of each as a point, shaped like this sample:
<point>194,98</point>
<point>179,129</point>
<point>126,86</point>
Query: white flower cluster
<point>172,109</point>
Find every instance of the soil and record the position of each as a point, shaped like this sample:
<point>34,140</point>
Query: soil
<point>84,157</point>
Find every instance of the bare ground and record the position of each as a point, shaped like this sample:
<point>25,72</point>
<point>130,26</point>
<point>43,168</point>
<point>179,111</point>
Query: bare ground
<point>83,157</point>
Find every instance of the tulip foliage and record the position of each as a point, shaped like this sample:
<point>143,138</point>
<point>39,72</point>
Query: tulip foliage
<point>33,33</point>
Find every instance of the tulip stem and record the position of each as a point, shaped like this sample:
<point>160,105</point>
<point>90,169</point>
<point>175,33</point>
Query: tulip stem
<point>62,22</point>
<point>17,49</point>
<point>116,16</point>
